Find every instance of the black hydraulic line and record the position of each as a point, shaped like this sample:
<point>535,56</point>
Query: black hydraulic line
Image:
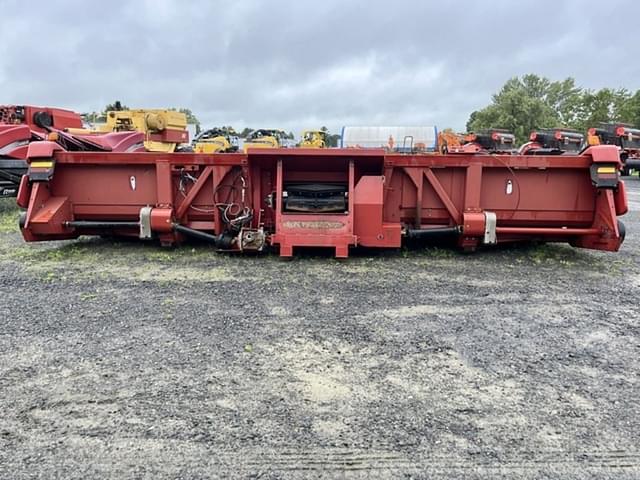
<point>89,224</point>
<point>12,177</point>
<point>426,233</point>
<point>220,241</point>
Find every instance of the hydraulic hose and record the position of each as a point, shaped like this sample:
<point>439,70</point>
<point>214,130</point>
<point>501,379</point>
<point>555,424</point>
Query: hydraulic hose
<point>429,233</point>
<point>99,225</point>
<point>221,241</point>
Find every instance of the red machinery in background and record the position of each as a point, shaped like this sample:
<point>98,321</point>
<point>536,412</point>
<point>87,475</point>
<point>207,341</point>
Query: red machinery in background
<point>553,142</point>
<point>20,125</point>
<point>337,198</point>
<point>487,141</point>
<point>625,137</point>
<point>39,119</point>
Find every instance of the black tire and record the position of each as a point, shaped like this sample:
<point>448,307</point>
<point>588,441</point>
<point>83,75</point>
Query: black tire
<point>625,171</point>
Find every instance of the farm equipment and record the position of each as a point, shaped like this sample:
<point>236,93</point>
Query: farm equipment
<point>625,137</point>
<point>489,141</point>
<point>267,138</point>
<point>449,141</point>
<point>216,140</point>
<point>334,198</point>
<point>553,142</point>
<point>314,139</point>
<point>163,130</point>
<point>19,125</point>
<point>39,119</point>
<point>13,144</point>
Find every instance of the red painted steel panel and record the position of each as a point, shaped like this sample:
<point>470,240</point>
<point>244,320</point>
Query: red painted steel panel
<point>552,197</point>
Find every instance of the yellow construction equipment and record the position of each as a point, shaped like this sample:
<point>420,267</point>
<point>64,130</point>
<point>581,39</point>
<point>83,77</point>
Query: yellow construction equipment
<point>216,140</point>
<point>164,129</point>
<point>267,138</point>
<point>314,139</point>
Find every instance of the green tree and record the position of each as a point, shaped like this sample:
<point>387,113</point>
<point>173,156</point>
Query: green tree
<point>630,111</point>
<point>524,104</point>
<point>332,140</point>
<point>531,102</point>
<point>605,105</point>
<point>246,131</point>
<point>117,106</point>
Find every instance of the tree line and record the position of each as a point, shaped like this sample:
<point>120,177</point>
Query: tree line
<point>530,102</point>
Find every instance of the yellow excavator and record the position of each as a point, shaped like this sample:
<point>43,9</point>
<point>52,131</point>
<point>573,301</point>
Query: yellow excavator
<point>267,138</point>
<point>314,139</point>
<point>216,140</point>
<point>164,129</point>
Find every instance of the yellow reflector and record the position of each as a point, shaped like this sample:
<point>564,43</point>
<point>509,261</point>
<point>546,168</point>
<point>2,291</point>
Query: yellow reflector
<point>606,170</point>
<point>42,164</point>
<point>53,137</point>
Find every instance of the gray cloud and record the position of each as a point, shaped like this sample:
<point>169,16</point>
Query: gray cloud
<point>298,64</point>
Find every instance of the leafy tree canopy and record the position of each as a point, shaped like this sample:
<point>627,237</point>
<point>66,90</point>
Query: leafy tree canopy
<point>530,102</point>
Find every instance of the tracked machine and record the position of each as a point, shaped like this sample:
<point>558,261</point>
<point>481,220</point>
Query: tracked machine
<point>342,198</point>
<point>216,140</point>
<point>267,138</point>
<point>313,139</point>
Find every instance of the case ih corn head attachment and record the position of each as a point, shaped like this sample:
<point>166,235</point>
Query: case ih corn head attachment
<point>336,198</point>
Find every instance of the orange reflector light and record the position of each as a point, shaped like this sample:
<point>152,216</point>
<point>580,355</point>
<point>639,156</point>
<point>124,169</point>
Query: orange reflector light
<point>605,170</point>
<point>53,136</point>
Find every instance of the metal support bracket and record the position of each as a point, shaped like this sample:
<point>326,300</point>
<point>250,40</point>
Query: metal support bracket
<point>490,221</point>
<point>145,223</point>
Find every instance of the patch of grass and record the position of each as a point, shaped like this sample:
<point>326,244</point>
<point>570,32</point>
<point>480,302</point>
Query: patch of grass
<point>9,214</point>
<point>554,254</point>
<point>438,252</point>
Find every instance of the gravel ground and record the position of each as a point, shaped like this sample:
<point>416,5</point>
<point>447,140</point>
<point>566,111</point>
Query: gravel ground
<point>124,360</point>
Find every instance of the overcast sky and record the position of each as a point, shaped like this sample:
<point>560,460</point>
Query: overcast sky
<point>300,64</point>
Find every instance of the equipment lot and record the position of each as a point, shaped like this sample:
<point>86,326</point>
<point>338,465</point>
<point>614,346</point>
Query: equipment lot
<point>120,358</point>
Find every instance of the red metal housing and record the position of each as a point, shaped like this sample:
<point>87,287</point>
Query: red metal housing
<point>39,119</point>
<point>337,198</point>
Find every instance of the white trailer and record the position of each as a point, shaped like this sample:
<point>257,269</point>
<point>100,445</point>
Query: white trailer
<point>395,139</point>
